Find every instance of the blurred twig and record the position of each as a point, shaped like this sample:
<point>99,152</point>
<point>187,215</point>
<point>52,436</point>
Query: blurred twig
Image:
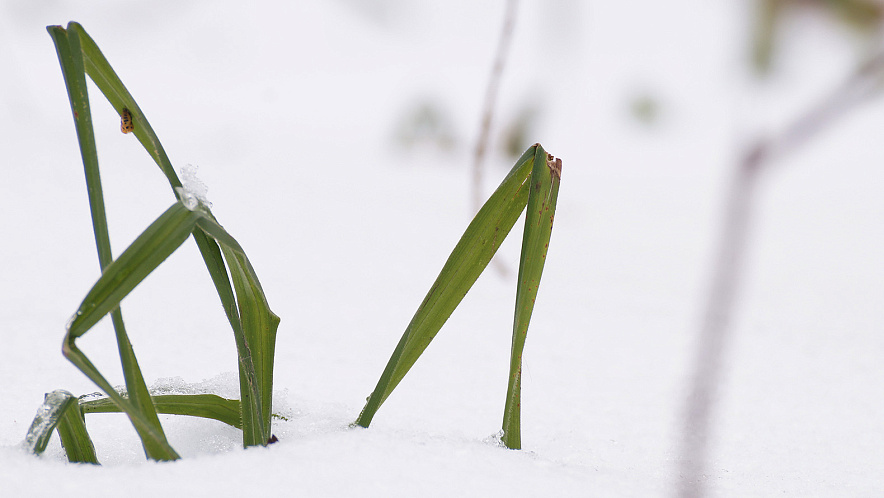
<point>863,17</point>
<point>491,98</point>
<point>715,330</point>
<point>503,46</point>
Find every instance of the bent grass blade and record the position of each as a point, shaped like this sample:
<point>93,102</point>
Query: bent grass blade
<point>60,411</point>
<point>107,81</point>
<point>139,409</point>
<point>469,258</point>
<point>119,278</point>
<point>255,328</point>
<point>253,323</point>
<point>209,406</point>
<point>254,333</point>
<point>145,254</point>
<point>467,261</point>
<point>65,413</point>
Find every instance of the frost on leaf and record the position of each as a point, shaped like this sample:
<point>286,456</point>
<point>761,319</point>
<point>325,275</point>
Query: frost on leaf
<point>45,421</point>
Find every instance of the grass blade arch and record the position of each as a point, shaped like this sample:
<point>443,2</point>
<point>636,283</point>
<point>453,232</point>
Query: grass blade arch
<point>529,183</point>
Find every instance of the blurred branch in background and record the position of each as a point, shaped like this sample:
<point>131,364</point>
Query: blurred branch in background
<point>506,35</point>
<point>715,332</point>
<point>863,17</point>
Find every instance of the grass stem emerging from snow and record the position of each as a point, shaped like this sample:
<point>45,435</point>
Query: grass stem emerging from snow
<point>533,182</point>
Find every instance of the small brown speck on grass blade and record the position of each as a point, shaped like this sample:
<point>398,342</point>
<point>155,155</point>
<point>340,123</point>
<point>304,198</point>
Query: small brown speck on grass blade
<point>532,184</point>
<point>126,122</point>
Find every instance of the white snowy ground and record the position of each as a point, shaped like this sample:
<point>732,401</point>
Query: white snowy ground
<point>290,111</point>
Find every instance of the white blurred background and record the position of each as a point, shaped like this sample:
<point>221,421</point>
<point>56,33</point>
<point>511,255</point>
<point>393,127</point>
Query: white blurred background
<point>335,139</point>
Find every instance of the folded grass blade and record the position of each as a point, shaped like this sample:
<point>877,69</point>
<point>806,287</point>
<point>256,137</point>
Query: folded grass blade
<point>545,179</point>
<point>255,327</point>
<point>147,252</point>
<point>60,411</point>
<point>193,405</point>
<point>469,258</point>
<point>253,323</point>
<point>106,79</point>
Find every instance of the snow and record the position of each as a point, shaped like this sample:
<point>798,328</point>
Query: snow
<point>291,109</point>
<point>193,190</point>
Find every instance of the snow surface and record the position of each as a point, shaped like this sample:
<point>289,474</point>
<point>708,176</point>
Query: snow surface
<point>290,111</point>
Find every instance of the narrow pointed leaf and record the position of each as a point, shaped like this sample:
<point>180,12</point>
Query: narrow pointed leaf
<point>68,48</point>
<point>208,406</point>
<point>257,341</point>
<point>150,249</point>
<point>107,81</point>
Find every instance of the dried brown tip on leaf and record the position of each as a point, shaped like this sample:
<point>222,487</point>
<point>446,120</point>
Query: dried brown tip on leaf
<point>555,166</point>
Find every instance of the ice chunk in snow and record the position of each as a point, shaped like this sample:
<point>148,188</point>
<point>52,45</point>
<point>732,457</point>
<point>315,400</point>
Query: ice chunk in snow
<point>495,439</point>
<point>194,190</point>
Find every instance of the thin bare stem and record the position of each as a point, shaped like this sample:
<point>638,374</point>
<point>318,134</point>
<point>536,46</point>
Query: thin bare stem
<point>715,331</point>
<point>503,48</point>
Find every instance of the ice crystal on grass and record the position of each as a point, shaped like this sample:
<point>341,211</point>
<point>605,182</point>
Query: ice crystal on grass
<point>194,190</point>
<point>224,385</point>
<point>46,418</point>
<point>190,201</point>
<point>495,439</point>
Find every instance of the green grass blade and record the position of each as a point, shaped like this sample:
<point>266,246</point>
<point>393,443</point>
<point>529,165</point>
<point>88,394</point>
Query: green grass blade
<point>259,388</point>
<point>248,380</point>
<point>140,409</point>
<point>68,49</point>
<point>59,411</point>
<point>255,335</point>
<point>150,249</point>
<point>46,420</point>
<point>545,179</point>
<point>467,261</point>
<point>107,81</point>
<point>193,405</point>
<point>74,438</point>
